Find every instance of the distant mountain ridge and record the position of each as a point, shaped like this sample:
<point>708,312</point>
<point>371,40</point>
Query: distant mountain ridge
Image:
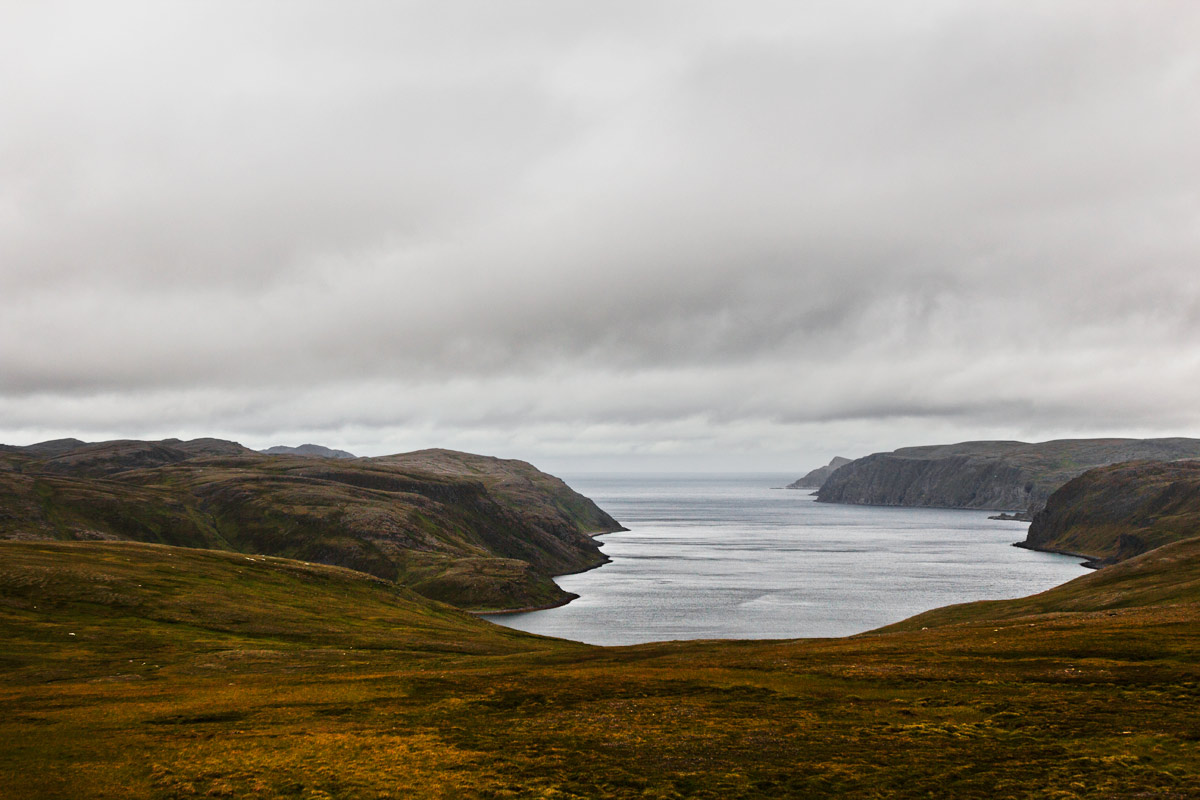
<point>95,459</point>
<point>816,479</point>
<point>314,450</point>
<point>994,475</point>
<point>54,447</point>
<point>479,532</point>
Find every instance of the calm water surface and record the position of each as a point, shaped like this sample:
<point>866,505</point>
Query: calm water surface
<point>730,557</point>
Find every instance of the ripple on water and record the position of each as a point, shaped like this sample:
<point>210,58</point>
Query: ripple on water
<point>728,557</point>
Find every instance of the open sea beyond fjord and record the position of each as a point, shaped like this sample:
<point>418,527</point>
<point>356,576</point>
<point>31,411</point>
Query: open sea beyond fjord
<point>730,557</point>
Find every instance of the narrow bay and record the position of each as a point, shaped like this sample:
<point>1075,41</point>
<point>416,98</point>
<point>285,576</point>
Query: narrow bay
<point>730,557</point>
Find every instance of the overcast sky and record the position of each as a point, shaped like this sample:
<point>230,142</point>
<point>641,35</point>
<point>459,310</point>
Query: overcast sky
<point>617,235</point>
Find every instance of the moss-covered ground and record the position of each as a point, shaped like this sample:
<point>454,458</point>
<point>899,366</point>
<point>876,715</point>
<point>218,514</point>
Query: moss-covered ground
<point>142,671</point>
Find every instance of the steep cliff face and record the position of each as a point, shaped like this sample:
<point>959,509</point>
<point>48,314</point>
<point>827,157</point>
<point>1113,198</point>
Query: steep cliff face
<point>816,479</point>
<point>885,479</point>
<point>1004,476</point>
<point>1120,511</point>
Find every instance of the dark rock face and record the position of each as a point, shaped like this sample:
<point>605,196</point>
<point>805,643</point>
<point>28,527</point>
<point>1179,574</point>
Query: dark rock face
<point>1113,513</point>
<point>816,479</point>
<point>1001,476</point>
<point>954,482</point>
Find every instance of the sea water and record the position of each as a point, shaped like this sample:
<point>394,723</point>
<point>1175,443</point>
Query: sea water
<point>731,557</point>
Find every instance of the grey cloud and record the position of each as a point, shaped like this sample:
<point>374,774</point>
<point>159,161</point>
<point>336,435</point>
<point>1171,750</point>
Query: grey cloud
<point>438,220</point>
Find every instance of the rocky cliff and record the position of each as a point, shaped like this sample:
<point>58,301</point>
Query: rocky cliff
<point>1113,513</point>
<point>816,479</point>
<point>997,475</point>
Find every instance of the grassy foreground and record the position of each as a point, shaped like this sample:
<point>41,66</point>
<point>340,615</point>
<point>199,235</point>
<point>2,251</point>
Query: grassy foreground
<point>144,671</point>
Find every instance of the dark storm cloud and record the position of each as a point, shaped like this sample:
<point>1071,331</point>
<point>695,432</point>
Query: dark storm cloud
<point>670,228</point>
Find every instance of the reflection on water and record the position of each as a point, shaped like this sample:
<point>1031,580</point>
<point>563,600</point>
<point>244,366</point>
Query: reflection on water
<point>729,557</point>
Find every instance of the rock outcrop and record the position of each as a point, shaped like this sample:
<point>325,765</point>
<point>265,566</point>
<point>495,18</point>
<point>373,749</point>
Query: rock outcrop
<point>816,479</point>
<point>997,475</point>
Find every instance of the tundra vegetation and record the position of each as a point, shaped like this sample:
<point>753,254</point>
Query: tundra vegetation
<point>147,671</point>
<point>481,533</point>
<point>139,670</point>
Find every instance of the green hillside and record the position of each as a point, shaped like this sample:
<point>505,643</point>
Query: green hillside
<point>1117,512</point>
<point>141,671</point>
<point>482,533</point>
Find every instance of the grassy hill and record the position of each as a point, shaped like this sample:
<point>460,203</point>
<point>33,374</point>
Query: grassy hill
<point>144,671</point>
<point>1116,512</point>
<point>482,533</point>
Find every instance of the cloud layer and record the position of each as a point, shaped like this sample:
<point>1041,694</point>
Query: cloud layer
<point>619,234</point>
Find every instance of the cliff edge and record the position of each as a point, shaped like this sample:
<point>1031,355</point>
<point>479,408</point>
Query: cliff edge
<point>993,475</point>
<point>816,479</point>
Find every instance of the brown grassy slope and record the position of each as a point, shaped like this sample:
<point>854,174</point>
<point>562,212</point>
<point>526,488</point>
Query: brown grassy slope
<point>1165,578</point>
<point>1113,513</point>
<point>209,675</point>
<point>478,532</point>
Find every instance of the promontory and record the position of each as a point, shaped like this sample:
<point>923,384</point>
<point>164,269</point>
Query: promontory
<point>996,475</point>
<point>481,533</point>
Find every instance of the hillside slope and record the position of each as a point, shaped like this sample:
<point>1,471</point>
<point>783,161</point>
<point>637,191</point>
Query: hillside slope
<point>141,671</point>
<point>1166,578</point>
<point>1117,512</point>
<point>158,599</point>
<point>479,532</point>
<point>1003,476</point>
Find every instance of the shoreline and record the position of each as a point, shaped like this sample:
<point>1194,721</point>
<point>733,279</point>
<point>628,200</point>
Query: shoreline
<point>1091,562</point>
<point>561,625</point>
<point>505,611</point>
<point>559,604</point>
<point>996,511</point>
